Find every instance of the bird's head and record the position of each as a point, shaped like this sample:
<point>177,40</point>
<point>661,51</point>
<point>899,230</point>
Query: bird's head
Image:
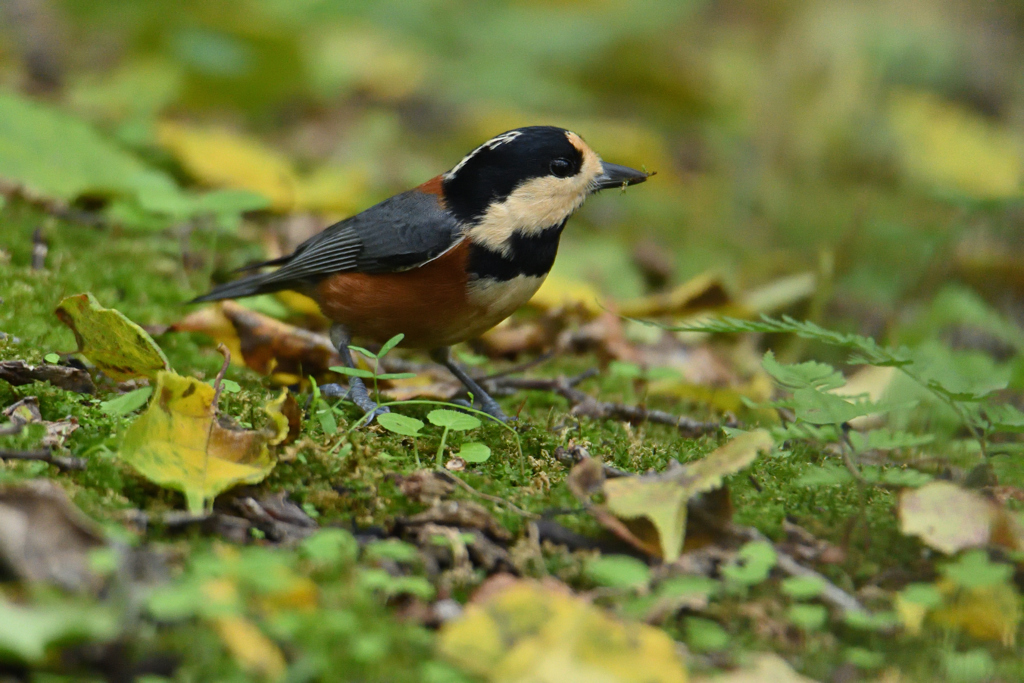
<point>526,181</point>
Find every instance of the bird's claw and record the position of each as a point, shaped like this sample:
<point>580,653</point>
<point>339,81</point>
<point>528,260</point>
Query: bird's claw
<point>356,392</point>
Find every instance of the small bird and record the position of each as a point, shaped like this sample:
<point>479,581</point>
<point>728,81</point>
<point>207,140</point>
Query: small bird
<point>450,259</point>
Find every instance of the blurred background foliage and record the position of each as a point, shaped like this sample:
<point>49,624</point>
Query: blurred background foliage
<point>876,143</point>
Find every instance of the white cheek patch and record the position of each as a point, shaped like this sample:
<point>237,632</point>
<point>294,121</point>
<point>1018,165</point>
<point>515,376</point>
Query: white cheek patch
<point>537,204</point>
<point>496,141</point>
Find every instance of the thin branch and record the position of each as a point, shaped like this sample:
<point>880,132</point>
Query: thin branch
<point>830,593</point>
<point>218,384</point>
<point>44,455</point>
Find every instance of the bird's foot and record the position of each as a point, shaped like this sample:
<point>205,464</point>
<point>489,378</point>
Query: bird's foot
<point>356,392</point>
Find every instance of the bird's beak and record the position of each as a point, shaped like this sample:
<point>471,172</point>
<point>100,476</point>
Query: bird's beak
<point>614,175</point>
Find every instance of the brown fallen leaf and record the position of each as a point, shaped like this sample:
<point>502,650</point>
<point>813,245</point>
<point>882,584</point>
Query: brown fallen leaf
<point>950,518</point>
<point>265,344</point>
<point>702,293</point>
<point>45,538</point>
<point>19,373</point>
<point>116,345</point>
<point>654,508</point>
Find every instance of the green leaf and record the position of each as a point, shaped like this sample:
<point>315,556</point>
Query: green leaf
<point>452,419</point>
<point>705,635</point>
<point>400,424</point>
<point>392,549</point>
<point>887,439</point>
<point>27,632</point>
<point>474,452</point>
<point>325,416</point>
<point>974,570</point>
<point>826,475</point>
<point>227,385</point>
<point>52,358</point>
<point>803,587</point>
<point>809,375</point>
<point>868,621</point>
<point>55,155</point>
<point>352,372</point>
<point>807,617</point>
<point>678,586</point>
<point>365,352</point>
<point>864,658</point>
<point>127,403</point>
<point>332,547</point>
<point>1005,418</point>
<point>618,571</point>
<point>819,407</point>
<point>973,666</point>
<point>924,594</point>
<point>909,478</point>
<point>390,344</point>
<point>752,565</point>
<point>397,375</point>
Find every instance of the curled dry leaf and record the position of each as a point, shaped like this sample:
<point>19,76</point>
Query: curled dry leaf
<point>524,631</point>
<point>45,538</point>
<point>950,518</point>
<point>654,507</point>
<point>266,345</point>
<point>180,444</point>
<point>114,344</point>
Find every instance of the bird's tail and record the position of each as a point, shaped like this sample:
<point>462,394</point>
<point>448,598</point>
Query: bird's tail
<point>246,286</point>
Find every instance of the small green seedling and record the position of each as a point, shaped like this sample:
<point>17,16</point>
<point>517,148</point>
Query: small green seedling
<point>451,420</point>
<point>375,374</point>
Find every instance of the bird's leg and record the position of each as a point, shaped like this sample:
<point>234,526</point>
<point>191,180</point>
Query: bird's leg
<point>490,406</point>
<point>341,338</point>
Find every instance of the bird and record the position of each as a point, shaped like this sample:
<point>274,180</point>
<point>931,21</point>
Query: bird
<point>445,261</point>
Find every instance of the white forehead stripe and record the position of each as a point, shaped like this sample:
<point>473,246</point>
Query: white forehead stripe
<point>496,141</point>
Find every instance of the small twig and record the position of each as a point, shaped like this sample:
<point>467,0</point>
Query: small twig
<point>830,593</point>
<point>44,455</point>
<point>494,499</point>
<point>218,383</point>
<point>588,406</point>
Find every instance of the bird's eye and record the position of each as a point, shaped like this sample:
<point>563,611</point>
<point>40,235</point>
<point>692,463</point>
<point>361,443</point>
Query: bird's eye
<point>561,168</point>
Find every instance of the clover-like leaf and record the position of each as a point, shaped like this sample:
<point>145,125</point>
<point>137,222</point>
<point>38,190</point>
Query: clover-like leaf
<point>474,451</point>
<point>452,419</point>
<point>400,424</point>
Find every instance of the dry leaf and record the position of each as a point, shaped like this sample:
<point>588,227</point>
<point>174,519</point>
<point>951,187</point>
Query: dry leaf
<point>702,293</point>
<point>253,651</point>
<point>949,518</point>
<point>26,411</point>
<point>662,498</point>
<point>526,632</point>
<point>19,373</point>
<point>116,345</point>
<point>264,344</point>
<point>44,537</point>
<point>986,612</point>
<point>178,442</point>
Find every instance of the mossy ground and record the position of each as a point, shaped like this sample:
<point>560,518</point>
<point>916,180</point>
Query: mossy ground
<point>144,277</point>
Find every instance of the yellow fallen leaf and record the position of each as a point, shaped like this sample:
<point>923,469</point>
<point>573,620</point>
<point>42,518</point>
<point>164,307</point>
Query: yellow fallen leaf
<point>949,518</point>
<point>178,443</point>
<point>661,498</point>
<point>702,293</point>
<point>558,293</point>
<point>222,158</point>
<point>986,612</point>
<point>529,633</point>
<point>116,345</point>
<point>954,149</point>
<point>253,651</point>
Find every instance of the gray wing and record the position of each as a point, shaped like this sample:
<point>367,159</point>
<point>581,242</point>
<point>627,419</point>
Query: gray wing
<point>400,233</point>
